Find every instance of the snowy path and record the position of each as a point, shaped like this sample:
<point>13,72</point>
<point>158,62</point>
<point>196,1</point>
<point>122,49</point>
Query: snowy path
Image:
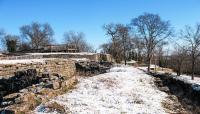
<point>122,90</point>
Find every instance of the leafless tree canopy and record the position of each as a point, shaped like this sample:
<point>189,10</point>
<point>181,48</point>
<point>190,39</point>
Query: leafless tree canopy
<point>118,46</point>
<point>106,47</point>
<point>38,34</point>
<point>11,42</point>
<point>137,49</point>
<point>1,36</point>
<point>123,34</point>
<point>78,40</point>
<point>178,57</point>
<point>192,37</point>
<point>143,40</point>
<point>160,53</point>
<point>153,30</point>
<point>111,30</point>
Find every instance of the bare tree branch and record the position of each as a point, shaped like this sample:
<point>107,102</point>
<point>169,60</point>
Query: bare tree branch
<point>153,30</point>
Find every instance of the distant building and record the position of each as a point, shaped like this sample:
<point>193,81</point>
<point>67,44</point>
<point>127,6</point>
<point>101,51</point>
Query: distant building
<point>131,63</point>
<point>61,48</point>
<point>53,48</point>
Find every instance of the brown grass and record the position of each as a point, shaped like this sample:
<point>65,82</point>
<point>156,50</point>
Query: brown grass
<point>108,82</point>
<point>56,107</point>
<point>71,85</point>
<point>172,105</point>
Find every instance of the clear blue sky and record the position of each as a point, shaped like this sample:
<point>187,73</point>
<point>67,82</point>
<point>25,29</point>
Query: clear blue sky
<point>89,16</point>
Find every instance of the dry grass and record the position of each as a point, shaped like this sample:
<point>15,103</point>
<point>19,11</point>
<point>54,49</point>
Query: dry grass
<point>70,85</point>
<point>172,105</point>
<point>55,107</point>
<point>30,102</point>
<point>108,82</point>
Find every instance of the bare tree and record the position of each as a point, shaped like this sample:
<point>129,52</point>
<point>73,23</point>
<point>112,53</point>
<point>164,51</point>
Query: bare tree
<point>24,47</point>
<point>11,42</point>
<point>178,58</point>
<point>123,34</point>
<point>153,30</point>
<point>139,48</point>
<point>160,53</point>
<point>2,37</point>
<point>38,34</point>
<point>78,40</point>
<point>111,30</point>
<point>120,41</point>
<point>106,48</point>
<point>192,37</point>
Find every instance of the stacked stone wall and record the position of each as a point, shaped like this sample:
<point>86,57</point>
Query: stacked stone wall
<point>63,67</point>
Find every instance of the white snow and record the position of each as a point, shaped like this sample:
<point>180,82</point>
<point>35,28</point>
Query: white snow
<point>57,53</point>
<point>21,61</point>
<point>186,78</point>
<point>131,62</point>
<point>122,90</point>
<point>79,59</point>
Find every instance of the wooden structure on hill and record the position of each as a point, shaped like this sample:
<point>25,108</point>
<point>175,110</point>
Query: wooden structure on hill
<point>61,48</point>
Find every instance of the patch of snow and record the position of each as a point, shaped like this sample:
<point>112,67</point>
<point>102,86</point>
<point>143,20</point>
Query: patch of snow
<point>131,62</point>
<point>81,53</point>
<point>121,69</point>
<point>188,78</point>
<point>79,59</point>
<point>42,109</point>
<point>183,77</point>
<point>26,61</point>
<point>123,89</point>
<point>151,66</point>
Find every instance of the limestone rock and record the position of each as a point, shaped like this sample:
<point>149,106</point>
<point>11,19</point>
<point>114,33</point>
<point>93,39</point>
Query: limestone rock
<point>56,85</point>
<point>165,89</point>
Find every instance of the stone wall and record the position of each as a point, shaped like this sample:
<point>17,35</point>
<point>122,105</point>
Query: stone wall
<point>21,80</point>
<point>30,79</point>
<point>15,77</point>
<point>93,57</point>
<point>63,67</point>
<point>182,89</point>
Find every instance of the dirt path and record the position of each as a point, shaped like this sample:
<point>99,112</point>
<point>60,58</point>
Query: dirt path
<point>122,90</point>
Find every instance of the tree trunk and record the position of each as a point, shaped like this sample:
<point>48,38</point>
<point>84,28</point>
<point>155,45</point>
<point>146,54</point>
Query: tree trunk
<point>193,65</point>
<point>179,72</point>
<point>179,69</point>
<point>125,56</point>
<point>149,63</point>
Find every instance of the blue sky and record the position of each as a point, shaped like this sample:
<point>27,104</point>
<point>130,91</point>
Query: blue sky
<point>89,16</point>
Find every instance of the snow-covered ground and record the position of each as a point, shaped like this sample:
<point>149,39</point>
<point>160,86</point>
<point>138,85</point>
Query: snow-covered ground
<point>57,53</point>
<point>186,78</point>
<point>79,59</point>
<point>122,90</point>
<point>21,61</point>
